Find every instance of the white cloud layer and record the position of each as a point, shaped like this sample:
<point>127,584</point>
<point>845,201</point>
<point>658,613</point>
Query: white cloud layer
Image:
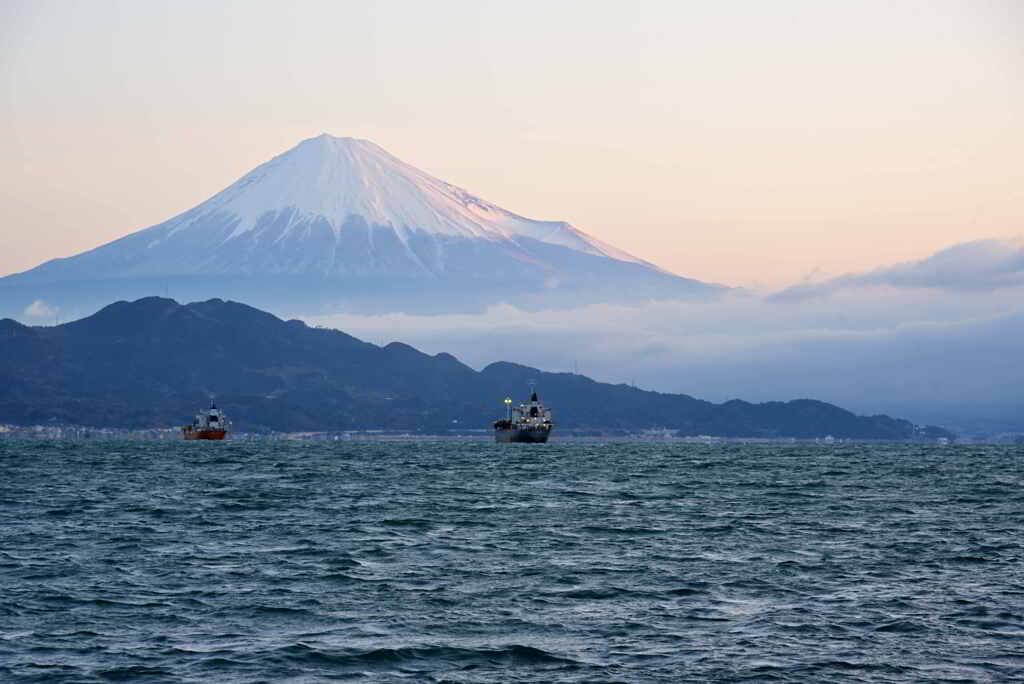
<point>978,265</point>
<point>40,309</point>
<point>931,340</point>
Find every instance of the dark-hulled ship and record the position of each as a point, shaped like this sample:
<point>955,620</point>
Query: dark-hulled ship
<point>208,424</point>
<point>529,422</point>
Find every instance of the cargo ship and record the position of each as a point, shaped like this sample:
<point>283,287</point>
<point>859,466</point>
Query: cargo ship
<point>529,422</point>
<point>208,424</point>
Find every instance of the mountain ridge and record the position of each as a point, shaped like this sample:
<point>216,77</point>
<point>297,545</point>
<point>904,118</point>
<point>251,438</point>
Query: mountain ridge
<point>153,362</point>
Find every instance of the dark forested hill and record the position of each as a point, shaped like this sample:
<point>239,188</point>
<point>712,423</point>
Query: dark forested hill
<point>154,362</point>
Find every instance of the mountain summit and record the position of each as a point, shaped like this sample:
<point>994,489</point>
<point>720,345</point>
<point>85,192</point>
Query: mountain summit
<point>337,224</point>
<point>341,180</point>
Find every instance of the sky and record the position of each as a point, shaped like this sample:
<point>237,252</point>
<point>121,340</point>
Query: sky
<point>760,144</point>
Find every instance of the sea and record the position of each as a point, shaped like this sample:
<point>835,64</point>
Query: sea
<point>275,561</point>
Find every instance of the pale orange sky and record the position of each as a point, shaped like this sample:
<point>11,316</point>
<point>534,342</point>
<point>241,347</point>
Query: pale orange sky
<point>747,143</point>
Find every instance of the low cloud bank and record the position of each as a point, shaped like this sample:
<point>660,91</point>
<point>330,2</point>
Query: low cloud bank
<point>981,265</point>
<point>930,353</point>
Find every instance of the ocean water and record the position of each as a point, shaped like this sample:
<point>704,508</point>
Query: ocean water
<point>472,562</point>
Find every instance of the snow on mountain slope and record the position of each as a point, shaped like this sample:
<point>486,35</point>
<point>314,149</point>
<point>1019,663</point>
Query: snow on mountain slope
<point>339,224</point>
<point>339,178</point>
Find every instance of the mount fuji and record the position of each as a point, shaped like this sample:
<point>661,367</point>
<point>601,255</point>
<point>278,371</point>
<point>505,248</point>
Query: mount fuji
<point>339,224</point>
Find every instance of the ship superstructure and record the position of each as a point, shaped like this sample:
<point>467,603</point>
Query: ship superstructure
<point>208,424</point>
<point>529,422</point>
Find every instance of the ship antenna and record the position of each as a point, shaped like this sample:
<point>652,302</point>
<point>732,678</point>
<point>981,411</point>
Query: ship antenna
<point>533,390</point>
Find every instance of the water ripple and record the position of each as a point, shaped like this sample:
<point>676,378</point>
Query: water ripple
<point>456,562</point>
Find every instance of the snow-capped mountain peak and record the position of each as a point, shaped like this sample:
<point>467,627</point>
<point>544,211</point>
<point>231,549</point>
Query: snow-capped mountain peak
<point>338,224</point>
<point>335,179</point>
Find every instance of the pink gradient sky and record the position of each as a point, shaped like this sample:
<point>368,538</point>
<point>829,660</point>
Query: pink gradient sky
<point>748,143</point>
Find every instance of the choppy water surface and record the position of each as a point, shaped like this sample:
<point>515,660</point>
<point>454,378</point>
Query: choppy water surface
<point>245,562</point>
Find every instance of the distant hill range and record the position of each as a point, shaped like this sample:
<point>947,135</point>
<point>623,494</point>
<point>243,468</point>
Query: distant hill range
<point>339,224</point>
<point>154,362</point>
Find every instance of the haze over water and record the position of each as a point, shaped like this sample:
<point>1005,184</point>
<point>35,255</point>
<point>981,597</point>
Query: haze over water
<point>440,561</point>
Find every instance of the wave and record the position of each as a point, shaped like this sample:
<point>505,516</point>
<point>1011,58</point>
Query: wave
<point>458,561</point>
<point>413,657</point>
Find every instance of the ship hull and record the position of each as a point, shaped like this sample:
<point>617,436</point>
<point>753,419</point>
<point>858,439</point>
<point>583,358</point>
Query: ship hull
<point>525,436</point>
<point>205,434</point>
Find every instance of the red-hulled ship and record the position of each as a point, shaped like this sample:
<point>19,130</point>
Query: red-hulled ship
<point>208,424</point>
